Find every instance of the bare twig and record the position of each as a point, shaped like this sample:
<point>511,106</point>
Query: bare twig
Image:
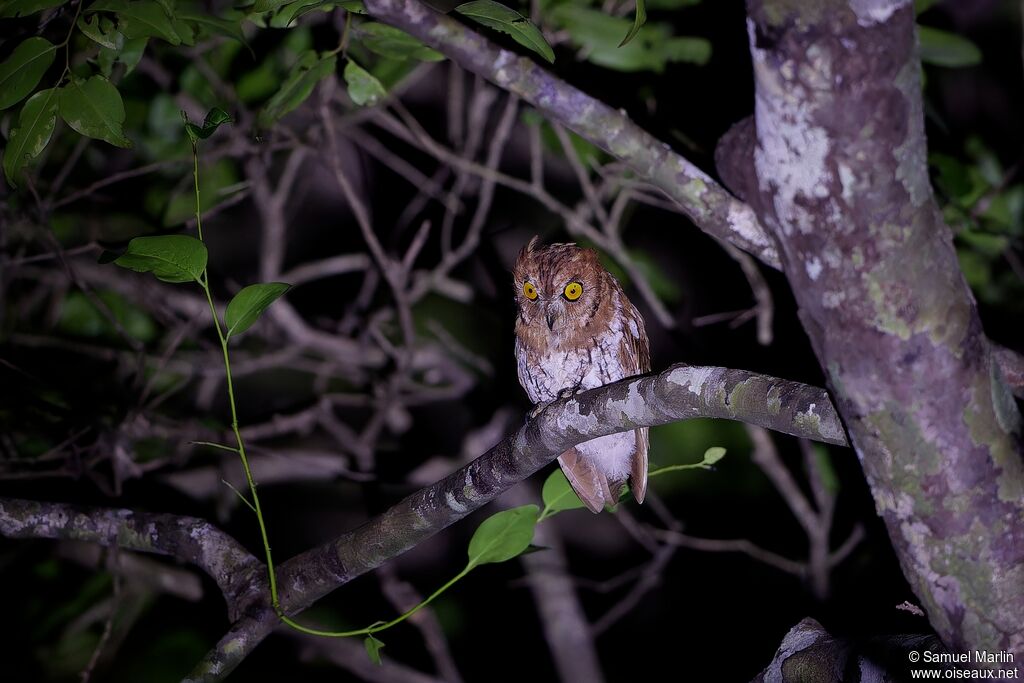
<point>404,597</point>
<point>108,624</point>
<point>707,203</point>
<point>116,178</point>
<point>582,175</point>
<point>324,268</point>
<point>428,186</point>
<point>737,545</point>
<point>566,629</point>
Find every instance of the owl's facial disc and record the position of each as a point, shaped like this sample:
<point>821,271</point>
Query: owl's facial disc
<point>556,313</point>
<point>551,316</point>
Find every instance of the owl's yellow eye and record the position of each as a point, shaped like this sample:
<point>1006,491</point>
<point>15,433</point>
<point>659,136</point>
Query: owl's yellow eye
<point>573,291</point>
<point>529,291</point>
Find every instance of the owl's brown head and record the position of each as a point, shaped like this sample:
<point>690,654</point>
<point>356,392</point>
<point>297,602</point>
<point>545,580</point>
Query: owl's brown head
<point>560,286</point>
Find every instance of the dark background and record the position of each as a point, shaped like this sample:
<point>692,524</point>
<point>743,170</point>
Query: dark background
<point>710,616</point>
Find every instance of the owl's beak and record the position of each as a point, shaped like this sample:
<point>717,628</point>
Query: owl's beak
<point>550,317</point>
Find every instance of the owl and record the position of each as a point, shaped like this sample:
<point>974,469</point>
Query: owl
<point>576,330</point>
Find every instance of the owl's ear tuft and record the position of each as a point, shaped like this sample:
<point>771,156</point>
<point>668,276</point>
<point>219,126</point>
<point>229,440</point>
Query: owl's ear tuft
<point>591,256</point>
<point>524,255</point>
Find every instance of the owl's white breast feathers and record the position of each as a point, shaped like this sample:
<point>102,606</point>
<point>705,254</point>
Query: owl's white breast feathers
<point>544,374</point>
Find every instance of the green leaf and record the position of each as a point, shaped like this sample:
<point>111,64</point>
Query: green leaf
<point>713,455</point>
<point>558,494</point>
<point>171,258</point>
<point>107,6</point>
<point>309,71</point>
<point>143,19</point>
<point>94,109</point>
<point>671,4</point>
<point>639,19</point>
<point>984,243</point>
<point>211,25</point>
<point>829,478</point>
<point>247,306</point>
<point>261,6</point>
<point>217,182</point>
<point>80,316</point>
<point>287,15</point>
<point>20,73</point>
<point>101,30</point>
<point>131,53</point>
<point>353,6</point>
<point>502,536</point>
<point>185,31</point>
<point>214,119</point>
<point>653,46</point>
<point>106,60</point>
<point>35,127</point>
<point>260,83</point>
<point>363,87</point>
<point>146,19</point>
<point>389,41</point>
<point>942,48</point>
<point>373,646</point>
<point>1005,212</point>
<point>505,19</point>
<point>10,9</point>
<point>954,179</point>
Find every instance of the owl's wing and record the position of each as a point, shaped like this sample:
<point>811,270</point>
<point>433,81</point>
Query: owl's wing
<point>635,351</point>
<point>638,466</point>
<point>588,483</point>
<point>636,357</point>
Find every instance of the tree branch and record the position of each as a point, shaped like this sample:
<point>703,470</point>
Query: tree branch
<point>885,305</point>
<point>189,539</point>
<point>679,393</point>
<point>707,204</point>
<point>810,653</point>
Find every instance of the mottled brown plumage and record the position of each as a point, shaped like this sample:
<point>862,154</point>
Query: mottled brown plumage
<point>576,330</point>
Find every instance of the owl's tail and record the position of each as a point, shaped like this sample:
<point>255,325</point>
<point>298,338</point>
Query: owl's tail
<point>595,488</point>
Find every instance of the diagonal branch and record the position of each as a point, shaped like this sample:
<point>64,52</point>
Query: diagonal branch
<point>679,393</point>
<point>707,203</point>
<point>187,538</point>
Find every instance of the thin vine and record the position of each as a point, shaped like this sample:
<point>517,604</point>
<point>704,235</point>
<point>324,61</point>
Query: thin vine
<point>181,258</point>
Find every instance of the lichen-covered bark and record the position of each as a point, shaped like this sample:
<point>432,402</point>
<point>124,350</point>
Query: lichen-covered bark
<point>186,538</point>
<point>843,184</point>
<point>809,654</point>
<point>681,392</point>
<point>710,207</point>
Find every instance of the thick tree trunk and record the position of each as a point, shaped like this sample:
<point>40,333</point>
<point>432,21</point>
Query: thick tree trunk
<point>842,182</point>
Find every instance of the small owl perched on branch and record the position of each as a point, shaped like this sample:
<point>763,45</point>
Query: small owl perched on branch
<point>577,330</point>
